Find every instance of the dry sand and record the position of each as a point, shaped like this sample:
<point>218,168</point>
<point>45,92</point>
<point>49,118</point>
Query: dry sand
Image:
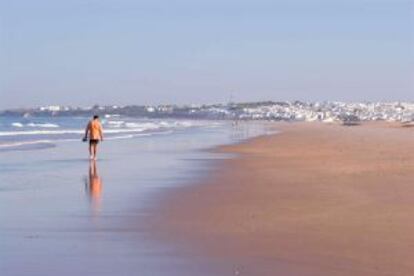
<point>313,200</point>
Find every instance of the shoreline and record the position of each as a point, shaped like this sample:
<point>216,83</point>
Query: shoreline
<point>313,199</point>
<point>83,213</point>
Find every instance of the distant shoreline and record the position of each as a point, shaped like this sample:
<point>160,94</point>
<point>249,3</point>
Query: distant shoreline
<point>297,111</point>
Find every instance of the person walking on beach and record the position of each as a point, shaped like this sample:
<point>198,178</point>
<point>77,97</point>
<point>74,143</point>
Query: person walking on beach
<point>95,133</point>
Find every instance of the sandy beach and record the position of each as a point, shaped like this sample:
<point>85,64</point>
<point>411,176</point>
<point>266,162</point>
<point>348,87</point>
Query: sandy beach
<point>313,199</point>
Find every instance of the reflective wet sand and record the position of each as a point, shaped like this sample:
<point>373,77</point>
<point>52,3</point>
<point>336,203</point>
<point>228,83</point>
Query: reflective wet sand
<point>61,214</point>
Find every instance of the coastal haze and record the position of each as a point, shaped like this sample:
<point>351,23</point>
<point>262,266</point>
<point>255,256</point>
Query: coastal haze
<point>83,53</point>
<point>239,137</point>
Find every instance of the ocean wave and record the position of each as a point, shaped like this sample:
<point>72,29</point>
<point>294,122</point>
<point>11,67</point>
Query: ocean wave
<point>129,136</point>
<point>16,124</point>
<point>40,125</point>
<point>44,143</point>
<point>45,125</point>
<point>185,124</point>
<point>38,144</point>
<point>25,144</point>
<point>142,125</point>
<point>116,124</point>
<point>68,131</point>
<point>112,115</point>
<point>40,132</point>
<point>133,125</point>
<point>111,127</point>
<point>149,125</point>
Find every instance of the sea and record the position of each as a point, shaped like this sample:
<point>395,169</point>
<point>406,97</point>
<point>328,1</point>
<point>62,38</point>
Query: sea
<point>25,133</point>
<point>62,214</point>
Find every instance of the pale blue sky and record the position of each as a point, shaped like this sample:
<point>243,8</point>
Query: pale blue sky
<point>82,52</point>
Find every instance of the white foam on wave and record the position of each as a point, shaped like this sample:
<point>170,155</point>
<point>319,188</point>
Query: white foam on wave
<point>112,115</point>
<point>25,143</point>
<point>117,124</point>
<point>129,136</point>
<point>150,125</point>
<point>45,125</point>
<point>41,125</point>
<point>16,124</point>
<point>115,127</point>
<point>68,131</point>
<point>40,132</point>
<point>142,125</point>
<point>186,124</point>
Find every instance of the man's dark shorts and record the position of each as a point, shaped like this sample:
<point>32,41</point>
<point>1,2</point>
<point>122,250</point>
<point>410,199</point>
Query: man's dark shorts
<point>93,141</point>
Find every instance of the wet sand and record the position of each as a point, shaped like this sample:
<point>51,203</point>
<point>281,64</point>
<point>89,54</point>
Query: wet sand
<point>312,200</point>
<point>61,214</point>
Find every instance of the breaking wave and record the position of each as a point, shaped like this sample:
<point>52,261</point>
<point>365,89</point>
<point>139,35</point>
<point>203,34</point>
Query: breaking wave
<point>32,135</point>
<point>27,145</point>
<point>46,125</point>
<point>16,124</point>
<point>32,125</point>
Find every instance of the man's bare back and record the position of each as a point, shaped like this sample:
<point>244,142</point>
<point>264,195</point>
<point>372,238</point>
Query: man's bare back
<point>95,133</point>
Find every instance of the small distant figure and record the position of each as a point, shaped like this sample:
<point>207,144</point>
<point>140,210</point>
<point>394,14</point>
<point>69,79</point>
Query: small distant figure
<point>95,133</point>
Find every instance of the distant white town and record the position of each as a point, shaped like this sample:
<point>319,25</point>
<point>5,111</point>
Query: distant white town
<point>329,112</point>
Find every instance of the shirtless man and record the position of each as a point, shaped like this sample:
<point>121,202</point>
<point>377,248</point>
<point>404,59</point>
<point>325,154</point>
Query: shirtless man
<point>94,129</point>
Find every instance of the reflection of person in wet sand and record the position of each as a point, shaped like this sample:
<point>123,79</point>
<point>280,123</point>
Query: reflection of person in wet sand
<point>94,186</point>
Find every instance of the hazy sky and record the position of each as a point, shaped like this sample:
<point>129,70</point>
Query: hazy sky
<point>82,52</point>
